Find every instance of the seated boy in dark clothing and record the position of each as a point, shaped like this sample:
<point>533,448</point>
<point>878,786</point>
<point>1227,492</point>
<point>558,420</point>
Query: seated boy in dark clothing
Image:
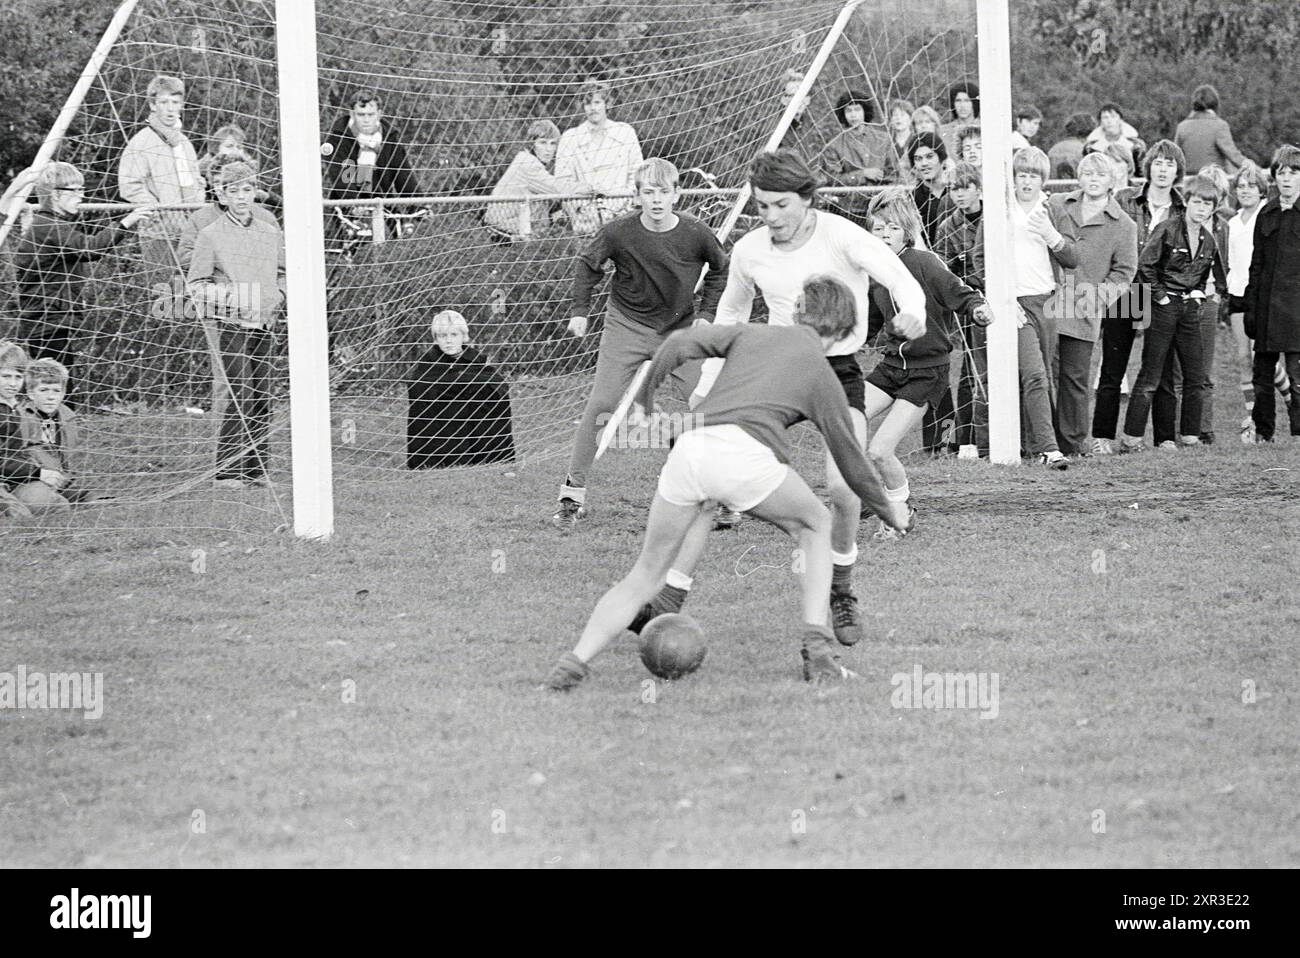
<point>50,438</point>
<point>458,411</point>
<point>17,468</point>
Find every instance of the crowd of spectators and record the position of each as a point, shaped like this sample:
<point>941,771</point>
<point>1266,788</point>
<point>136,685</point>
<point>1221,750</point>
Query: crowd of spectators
<point>1205,238</point>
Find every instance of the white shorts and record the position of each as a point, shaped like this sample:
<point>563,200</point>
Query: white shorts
<point>723,463</point>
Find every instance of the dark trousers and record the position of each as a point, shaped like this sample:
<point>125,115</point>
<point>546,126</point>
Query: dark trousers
<point>1265,412</point>
<point>1071,366</point>
<point>1175,327</point>
<point>973,388</point>
<point>1171,383</point>
<point>938,424</point>
<point>242,443</point>
<point>1118,330</point>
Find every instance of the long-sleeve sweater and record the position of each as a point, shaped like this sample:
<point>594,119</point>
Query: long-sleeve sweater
<point>960,244</point>
<point>52,264</point>
<point>773,377</point>
<point>204,217</point>
<point>654,273</point>
<point>525,175</point>
<point>237,272</point>
<point>945,295</point>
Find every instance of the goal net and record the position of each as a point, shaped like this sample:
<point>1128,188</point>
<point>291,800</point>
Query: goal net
<point>464,92</point>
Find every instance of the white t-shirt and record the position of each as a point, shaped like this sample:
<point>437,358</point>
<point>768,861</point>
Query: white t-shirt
<point>1033,262</point>
<point>836,248</point>
<point>1241,246</point>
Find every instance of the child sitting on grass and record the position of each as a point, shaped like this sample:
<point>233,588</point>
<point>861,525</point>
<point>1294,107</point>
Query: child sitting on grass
<point>49,433</point>
<point>17,468</point>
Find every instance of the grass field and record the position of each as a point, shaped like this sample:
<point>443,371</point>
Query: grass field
<point>1128,607</point>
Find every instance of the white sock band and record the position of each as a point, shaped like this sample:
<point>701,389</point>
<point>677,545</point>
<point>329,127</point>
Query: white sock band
<point>901,494</point>
<point>679,580</point>
<point>845,558</point>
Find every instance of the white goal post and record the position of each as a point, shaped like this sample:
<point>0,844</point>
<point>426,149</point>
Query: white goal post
<point>460,84</point>
<point>309,363</point>
<point>309,392</point>
<point>994,36</point>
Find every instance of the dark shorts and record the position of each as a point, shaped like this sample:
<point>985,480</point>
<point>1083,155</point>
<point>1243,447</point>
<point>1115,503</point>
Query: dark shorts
<point>920,387</point>
<point>849,373</point>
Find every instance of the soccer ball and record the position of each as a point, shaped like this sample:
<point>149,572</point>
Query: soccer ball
<point>672,645</point>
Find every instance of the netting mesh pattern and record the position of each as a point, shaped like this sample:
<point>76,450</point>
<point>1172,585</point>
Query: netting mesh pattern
<point>459,85</point>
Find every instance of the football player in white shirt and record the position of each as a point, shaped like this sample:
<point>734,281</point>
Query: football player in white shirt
<point>797,241</point>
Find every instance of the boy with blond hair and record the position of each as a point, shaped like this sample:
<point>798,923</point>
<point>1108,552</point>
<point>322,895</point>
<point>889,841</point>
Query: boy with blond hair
<point>236,276</point>
<point>658,255</point>
<point>53,260</point>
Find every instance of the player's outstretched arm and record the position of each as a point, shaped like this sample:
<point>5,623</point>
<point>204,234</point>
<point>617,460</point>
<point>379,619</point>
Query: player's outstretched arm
<point>701,342</point>
<point>831,416</point>
<point>878,261</point>
<point>588,271</point>
<point>734,306</point>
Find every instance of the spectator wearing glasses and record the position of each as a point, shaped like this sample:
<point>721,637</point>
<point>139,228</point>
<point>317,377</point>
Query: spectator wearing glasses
<point>53,260</point>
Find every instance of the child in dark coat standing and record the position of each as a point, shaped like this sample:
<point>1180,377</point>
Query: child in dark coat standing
<point>1271,303</point>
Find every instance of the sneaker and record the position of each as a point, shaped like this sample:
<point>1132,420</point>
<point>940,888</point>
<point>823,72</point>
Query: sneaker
<point>230,483</point>
<point>1207,439</point>
<point>887,533</point>
<point>666,600</point>
<point>567,516</point>
<point>1102,447</point>
<point>844,616</point>
<point>1128,444</point>
<point>1188,441</point>
<point>820,662</point>
<point>1248,431</point>
<point>1054,460</point>
<point>725,519</point>
<point>566,674</point>
<point>968,452</point>
<point>1168,445</point>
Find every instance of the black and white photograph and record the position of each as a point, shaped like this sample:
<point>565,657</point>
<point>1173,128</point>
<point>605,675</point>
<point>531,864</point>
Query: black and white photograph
<point>651,434</point>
